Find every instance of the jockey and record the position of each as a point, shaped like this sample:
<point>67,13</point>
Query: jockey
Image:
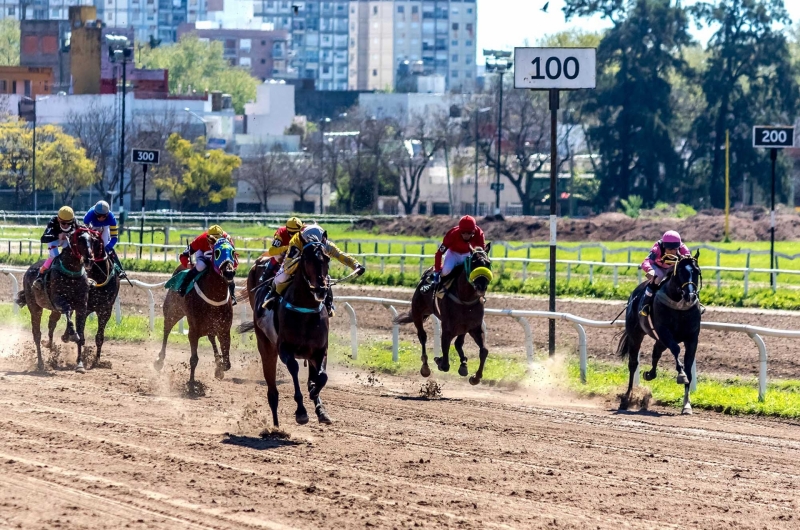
<point>455,247</point>
<point>280,245</point>
<point>101,218</point>
<point>660,260</point>
<point>55,236</point>
<point>284,277</point>
<point>203,249</point>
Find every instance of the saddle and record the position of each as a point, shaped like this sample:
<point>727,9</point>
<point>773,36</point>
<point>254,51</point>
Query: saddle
<point>174,283</point>
<point>261,295</point>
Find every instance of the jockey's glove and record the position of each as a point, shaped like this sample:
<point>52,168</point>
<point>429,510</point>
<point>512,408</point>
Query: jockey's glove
<point>360,270</point>
<point>436,277</point>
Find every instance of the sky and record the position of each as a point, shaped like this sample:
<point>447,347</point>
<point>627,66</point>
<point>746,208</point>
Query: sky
<point>504,24</point>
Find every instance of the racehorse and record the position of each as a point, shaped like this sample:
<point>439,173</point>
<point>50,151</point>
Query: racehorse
<point>66,290</point>
<point>674,318</point>
<point>460,310</point>
<point>207,307</point>
<point>102,293</point>
<point>296,329</point>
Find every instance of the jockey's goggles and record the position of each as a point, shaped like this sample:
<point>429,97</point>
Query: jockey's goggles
<point>65,225</point>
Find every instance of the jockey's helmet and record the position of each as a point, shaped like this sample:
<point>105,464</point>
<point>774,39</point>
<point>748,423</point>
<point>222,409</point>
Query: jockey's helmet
<point>65,214</point>
<point>312,232</point>
<point>102,208</point>
<point>671,240</point>
<point>294,225</point>
<point>215,232</point>
<point>467,224</point>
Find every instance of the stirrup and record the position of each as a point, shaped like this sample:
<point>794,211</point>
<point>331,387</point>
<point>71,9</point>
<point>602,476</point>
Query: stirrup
<point>645,312</point>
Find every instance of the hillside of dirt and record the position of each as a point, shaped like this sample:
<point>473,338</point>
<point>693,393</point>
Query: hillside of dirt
<point>707,225</point>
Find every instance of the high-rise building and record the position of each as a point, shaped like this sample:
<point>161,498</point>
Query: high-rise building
<point>39,9</point>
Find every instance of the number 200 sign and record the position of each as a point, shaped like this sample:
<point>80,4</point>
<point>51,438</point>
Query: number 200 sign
<point>773,137</point>
<point>560,68</point>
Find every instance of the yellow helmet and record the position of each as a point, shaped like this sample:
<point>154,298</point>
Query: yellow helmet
<point>294,225</point>
<point>215,232</point>
<point>66,214</point>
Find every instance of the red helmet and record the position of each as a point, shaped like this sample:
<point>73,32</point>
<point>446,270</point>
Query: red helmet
<point>467,224</point>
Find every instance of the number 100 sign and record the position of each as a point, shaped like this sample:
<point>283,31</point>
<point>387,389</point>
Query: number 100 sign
<point>561,68</point>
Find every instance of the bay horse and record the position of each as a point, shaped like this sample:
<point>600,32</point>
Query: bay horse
<point>102,293</point>
<point>297,329</point>
<point>65,291</point>
<point>207,308</point>
<point>460,311</point>
<point>674,319</point>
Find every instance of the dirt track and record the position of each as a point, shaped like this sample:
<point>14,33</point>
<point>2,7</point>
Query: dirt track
<point>121,447</point>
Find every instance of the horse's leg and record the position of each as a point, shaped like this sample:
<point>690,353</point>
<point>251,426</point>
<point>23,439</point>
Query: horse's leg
<point>194,338</point>
<point>287,356</point>
<point>223,361</point>
<point>633,346</point>
<point>103,316</point>
<point>317,378</point>
<point>219,372</point>
<point>172,315</point>
<point>69,333</point>
<point>665,336</point>
<point>463,371</point>
<point>422,335</point>
<point>443,362</point>
<point>36,322</point>
<point>658,349</point>
<point>479,338</point>
<point>79,337</point>
<point>269,365</point>
<point>52,323</point>
<point>690,346</point>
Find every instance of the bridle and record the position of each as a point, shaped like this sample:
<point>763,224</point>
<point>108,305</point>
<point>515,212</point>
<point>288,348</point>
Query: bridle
<point>312,287</point>
<point>691,266</point>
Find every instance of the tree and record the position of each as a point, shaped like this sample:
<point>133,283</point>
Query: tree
<point>194,176</point>
<point>16,149</point>
<point>750,78</point>
<point>61,163</point>
<point>197,65</point>
<point>94,128</point>
<point>633,101</point>
<point>302,175</point>
<point>9,42</point>
<point>409,156</point>
<point>264,171</point>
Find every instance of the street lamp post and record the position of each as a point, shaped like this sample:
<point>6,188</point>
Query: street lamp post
<point>322,124</point>
<point>498,61</point>
<point>120,51</point>
<point>205,125</point>
<point>33,100</point>
<point>478,112</point>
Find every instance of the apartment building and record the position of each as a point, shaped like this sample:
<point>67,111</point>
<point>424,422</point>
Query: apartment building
<point>39,9</point>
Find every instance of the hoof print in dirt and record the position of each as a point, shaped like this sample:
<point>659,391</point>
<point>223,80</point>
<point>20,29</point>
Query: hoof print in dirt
<point>639,399</point>
<point>430,390</point>
<point>195,389</point>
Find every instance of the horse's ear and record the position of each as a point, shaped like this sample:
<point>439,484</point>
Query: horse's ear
<point>697,255</point>
<point>488,247</point>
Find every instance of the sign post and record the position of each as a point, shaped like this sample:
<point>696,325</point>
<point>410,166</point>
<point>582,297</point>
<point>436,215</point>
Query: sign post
<point>773,138</point>
<point>145,157</point>
<point>554,69</point>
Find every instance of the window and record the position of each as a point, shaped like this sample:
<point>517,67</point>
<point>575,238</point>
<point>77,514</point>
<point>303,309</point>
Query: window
<point>455,26</point>
<point>263,61</point>
<point>469,10</point>
<point>12,11</point>
<point>401,42</point>
<point>453,43</point>
<point>3,86</point>
<point>454,74</point>
<point>454,10</point>
<point>374,73</point>
<point>468,43</point>
<point>469,28</point>
<point>13,87</point>
<point>414,9</point>
<point>468,74</point>
<point>244,61</point>
<point>401,9</point>
<point>263,43</point>
<point>455,57</point>
<point>244,45</point>
<point>28,88</point>
<point>374,10</point>
<point>468,60</point>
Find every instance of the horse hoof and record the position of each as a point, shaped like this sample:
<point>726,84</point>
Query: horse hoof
<point>158,364</point>
<point>65,338</point>
<point>75,337</point>
<point>463,371</point>
<point>441,365</point>
<point>425,371</point>
<point>322,416</point>
<point>623,404</point>
<point>648,376</point>
<point>687,410</point>
<point>474,380</point>
<point>80,369</point>
<point>40,367</point>
<point>682,379</point>
<point>227,365</point>
<point>219,372</point>
<point>301,419</point>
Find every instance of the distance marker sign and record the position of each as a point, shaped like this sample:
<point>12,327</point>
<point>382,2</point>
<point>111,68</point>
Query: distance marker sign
<point>145,156</point>
<point>560,68</point>
<point>773,137</point>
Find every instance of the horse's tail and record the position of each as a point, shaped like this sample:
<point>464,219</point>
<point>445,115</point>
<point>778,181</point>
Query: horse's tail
<point>403,318</point>
<point>246,327</point>
<point>626,344</point>
<point>20,299</point>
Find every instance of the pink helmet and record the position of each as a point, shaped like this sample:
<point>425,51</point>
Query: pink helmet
<point>671,239</point>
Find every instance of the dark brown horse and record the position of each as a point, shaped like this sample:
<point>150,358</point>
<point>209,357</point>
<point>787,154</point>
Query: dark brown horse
<point>66,290</point>
<point>208,309</point>
<point>296,329</point>
<point>460,310</point>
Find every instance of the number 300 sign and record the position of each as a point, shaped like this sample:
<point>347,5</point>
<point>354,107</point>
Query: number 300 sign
<point>561,68</point>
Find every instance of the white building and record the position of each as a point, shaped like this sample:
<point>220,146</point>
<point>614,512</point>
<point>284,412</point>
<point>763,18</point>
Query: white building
<point>273,110</point>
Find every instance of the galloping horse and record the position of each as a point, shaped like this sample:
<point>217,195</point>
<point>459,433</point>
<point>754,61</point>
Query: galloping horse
<point>66,290</point>
<point>675,318</point>
<point>208,309</point>
<point>103,293</point>
<point>296,329</point>
<point>460,311</point>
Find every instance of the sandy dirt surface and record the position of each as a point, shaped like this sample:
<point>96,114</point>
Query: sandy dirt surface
<point>122,447</point>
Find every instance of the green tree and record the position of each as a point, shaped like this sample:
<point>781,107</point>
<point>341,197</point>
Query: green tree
<point>633,102</point>
<point>749,79</point>
<point>9,42</point>
<point>197,65</point>
<point>61,163</point>
<point>194,176</point>
<point>16,149</point>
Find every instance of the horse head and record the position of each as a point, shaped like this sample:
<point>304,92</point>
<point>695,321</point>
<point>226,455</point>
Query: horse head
<point>314,264</point>
<point>479,269</point>
<point>689,277</point>
<point>225,259</point>
<point>81,244</point>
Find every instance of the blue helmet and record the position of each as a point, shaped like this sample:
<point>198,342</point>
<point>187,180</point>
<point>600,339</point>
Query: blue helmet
<point>101,208</point>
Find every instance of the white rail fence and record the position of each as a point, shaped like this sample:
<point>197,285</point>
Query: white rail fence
<point>756,333</point>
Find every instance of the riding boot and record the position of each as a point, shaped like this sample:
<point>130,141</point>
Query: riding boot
<point>38,283</point>
<point>648,301</point>
<point>329,303</point>
<point>232,289</point>
<point>271,295</point>
<point>187,280</point>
